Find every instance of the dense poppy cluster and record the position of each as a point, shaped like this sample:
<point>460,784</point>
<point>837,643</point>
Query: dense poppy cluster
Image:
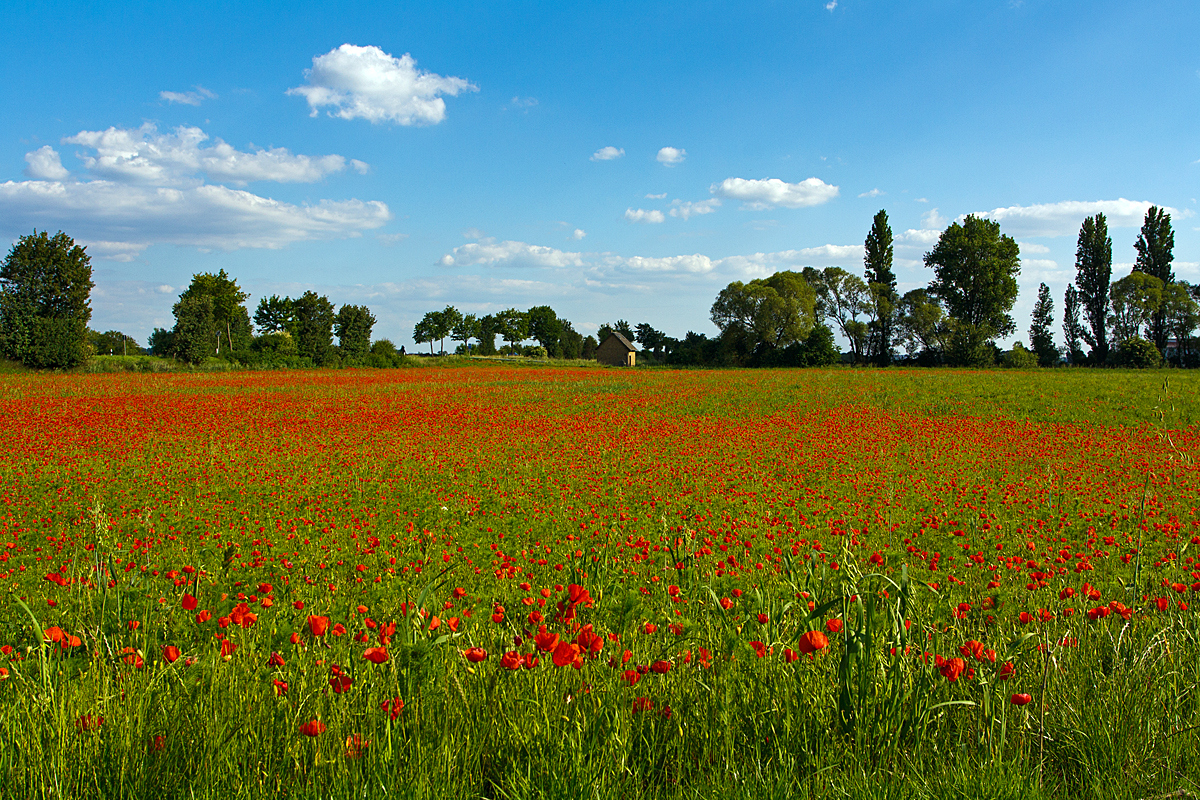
<point>350,516</point>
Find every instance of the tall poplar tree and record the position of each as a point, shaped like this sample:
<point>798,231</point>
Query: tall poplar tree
<point>881,285</point>
<point>1154,247</point>
<point>1093,272</point>
<point>1040,337</point>
<point>1072,329</point>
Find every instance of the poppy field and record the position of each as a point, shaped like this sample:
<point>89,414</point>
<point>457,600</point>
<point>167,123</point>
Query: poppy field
<point>510,582</point>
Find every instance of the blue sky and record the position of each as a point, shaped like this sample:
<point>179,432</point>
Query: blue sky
<point>615,160</point>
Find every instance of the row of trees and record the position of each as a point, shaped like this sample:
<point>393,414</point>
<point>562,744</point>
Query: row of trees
<point>211,319</point>
<point>555,337</point>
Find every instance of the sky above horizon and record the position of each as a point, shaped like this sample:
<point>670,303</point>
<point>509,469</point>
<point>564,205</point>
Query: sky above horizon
<point>613,161</point>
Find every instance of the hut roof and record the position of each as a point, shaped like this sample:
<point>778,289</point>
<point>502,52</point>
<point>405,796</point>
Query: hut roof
<point>622,340</point>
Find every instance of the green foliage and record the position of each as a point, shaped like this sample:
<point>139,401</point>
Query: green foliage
<point>45,287</point>
<point>1136,298</point>
<point>278,343</point>
<point>353,326</point>
<point>1138,353</point>
<point>1072,330</point>
<point>1155,245</point>
<point>113,343</point>
<point>513,326</point>
<point>1039,330</point>
<point>588,350</point>
<point>195,334</point>
<point>230,323</point>
<point>922,326</point>
<point>1019,358</point>
<point>976,270</point>
<point>769,313</point>
<point>314,328</point>
<point>841,297</point>
<point>970,346</point>
<point>275,314</point>
<point>162,342</point>
<point>1093,272</point>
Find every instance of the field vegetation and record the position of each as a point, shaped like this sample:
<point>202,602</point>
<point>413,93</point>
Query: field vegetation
<point>499,582</point>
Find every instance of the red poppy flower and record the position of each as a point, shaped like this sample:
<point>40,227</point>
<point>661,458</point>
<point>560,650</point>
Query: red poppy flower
<point>281,687</point>
<point>54,634</point>
<point>545,641</point>
<point>760,649</point>
<point>1006,671</point>
<point>812,641</point>
<point>227,649</point>
<point>318,626</point>
<point>641,704</point>
<point>314,727</point>
<point>340,683</point>
<point>475,654</point>
<point>565,654</point>
<point>952,669</point>
<point>631,676</point>
<point>511,660</point>
<point>170,653</point>
<point>189,603</point>
<point>1021,699</point>
<point>393,707</point>
<point>131,657</point>
<point>356,746</point>
<point>834,626</point>
<point>338,629</point>
<point>203,617</point>
<point>763,619</point>
<point>376,655</point>
<point>790,655</point>
<point>275,660</point>
<point>88,722</point>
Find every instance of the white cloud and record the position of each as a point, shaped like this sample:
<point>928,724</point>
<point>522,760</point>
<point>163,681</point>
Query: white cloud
<point>683,210</point>
<point>1030,247</point>
<point>759,265</point>
<point>932,220</point>
<point>641,215</point>
<point>695,264</point>
<point>361,167</point>
<point>144,155</point>
<point>367,83</point>
<point>1039,265</point>
<point>921,200</point>
<point>670,156</point>
<point>45,164</point>
<point>608,153</point>
<point>188,98</point>
<point>1065,218</point>
<point>770,192</point>
<point>656,196</point>
<point>491,253</point>
<point>872,193</point>
<point>578,234</point>
<point>127,219</point>
<point>831,5</point>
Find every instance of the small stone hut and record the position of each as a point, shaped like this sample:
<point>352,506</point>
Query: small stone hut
<point>616,350</point>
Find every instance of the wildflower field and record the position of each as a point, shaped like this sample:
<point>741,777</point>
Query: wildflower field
<point>511,582</point>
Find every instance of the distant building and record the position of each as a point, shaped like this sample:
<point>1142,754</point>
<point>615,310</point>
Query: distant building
<point>616,350</point>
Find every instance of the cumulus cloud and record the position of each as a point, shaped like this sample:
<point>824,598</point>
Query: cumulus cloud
<point>608,153</point>
<point>491,253</point>
<point>44,164</point>
<point>670,156</point>
<point>143,155</point>
<point>771,192</point>
<point>932,220</point>
<point>872,193</point>
<point>642,215</point>
<point>188,98</point>
<point>578,234</point>
<point>758,265</point>
<point>1064,218</point>
<point>683,210</point>
<point>1030,247</point>
<point>128,218</point>
<point>367,83</point>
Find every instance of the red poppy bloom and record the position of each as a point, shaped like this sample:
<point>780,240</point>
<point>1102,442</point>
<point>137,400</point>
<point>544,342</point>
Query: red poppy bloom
<point>1025,617</point>
<point>760,649</point>
<point>131,657</point>
<point>511,660</point>
<point>1021,699</point>
<point>790,655</point>
<point>356,746</point>
<point>1006,671</point>
<point>565,654</point>
<point>475,654</point>
<point>188,603</point>
<point>661,667</point>
<point>393,707</point>
<point>812,641</point>
<point>650,627</point>
<point>203,617</point>
<point>170,653</point>
<point>318,626</point>
<point>1162,603</point>
<point>88,722</point>
<point>281,687</point>
<point>641,704</point>
<point>275,660</point>
<point>763,619</point>
<point>340,683</point>
<point>834,626</point>
<point>339,629</point>
<point>314,727</point>
<point>952,669</point>
<point>54,634</point>
<point>227,649</point>
<point>376,655</point>
<point>631,676</point>
<point>545,641</point>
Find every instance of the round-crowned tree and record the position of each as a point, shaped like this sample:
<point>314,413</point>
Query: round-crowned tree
<point>45,291</point>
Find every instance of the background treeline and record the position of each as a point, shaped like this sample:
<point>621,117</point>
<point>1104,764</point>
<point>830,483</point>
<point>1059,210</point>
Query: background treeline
<point>786,319</point>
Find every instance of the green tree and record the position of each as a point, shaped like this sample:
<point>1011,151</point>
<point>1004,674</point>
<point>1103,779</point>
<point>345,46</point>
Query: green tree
<point>571,342</point>
<point>488,328</point>
<point>976,270</point>
<point>466,329</point>
<point>353,326</point>
<point>1182,316</point>
<point>882,297</point>
<point>426,330</point>
<point>1039,330</point>
<point>546,329</point>
<point>314,327</point>
<point>1154,247</point>
<point>1072,329</point>
<point>922,326</point>
<point>650,339</point>
<point>624,328</point>
<point>444,322</point>
<point>513,327</point>
<point>1135,300</point>
<point>45,292</point>
<point>842,297</point>
<point>231,320</point>
<point>162,342</point>
<point>1093,273</point>
<point>765,314</point>
<point>275,314</point>
<point>195,335</point>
